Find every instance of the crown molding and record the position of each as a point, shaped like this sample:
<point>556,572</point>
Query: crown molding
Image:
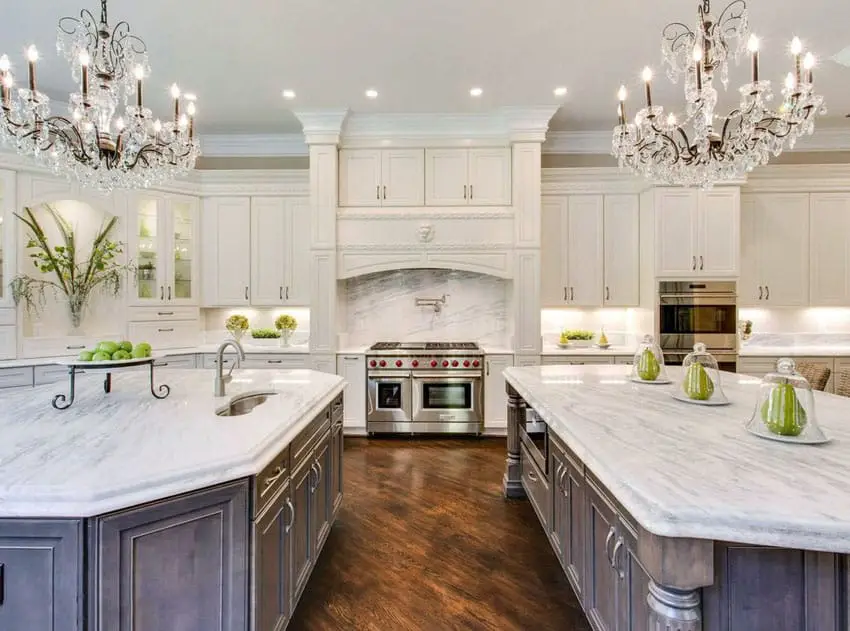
<point>322,127</point>
<point>591,180</point>
<point>799,178</point>
<point>260,182</point>
<point>253,145</point>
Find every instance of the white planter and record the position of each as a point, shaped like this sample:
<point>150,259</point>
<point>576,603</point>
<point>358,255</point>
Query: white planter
<point>263,341</point>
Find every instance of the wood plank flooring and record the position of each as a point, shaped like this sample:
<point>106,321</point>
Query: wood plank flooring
<point>425,541</point>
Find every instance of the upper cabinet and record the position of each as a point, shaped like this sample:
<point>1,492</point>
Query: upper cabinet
<point>256,251</point>
<point>7,236</point>
<point>590,251</point>
<point>774,250</point>
<point>163,243</point>
<point>830,249</point>
<point>468,177</point>
<point>697,232</point>
<point>381,177</point>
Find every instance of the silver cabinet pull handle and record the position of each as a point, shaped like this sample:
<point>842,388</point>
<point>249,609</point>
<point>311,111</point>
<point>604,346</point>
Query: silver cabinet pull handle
<point>470,191</point>
<point>565,489</point>
<point>160,364</point>
<point>565,294</point>
<point>2,584</point>
<point>274,361</point>
<point>74,348</point>
<point>608,543</point>
<point>378,191</point>
<point>616,564</point>
<point>351,359</point>
<point>766,292</point>
<point>572,294</point>
<point>464,191</point>
<point>164,313</point>
<point>385,192</point>
<point>166,330</point>
<point>161,292</point>
<point>274,477</point>
<point>488,368</point>
<point>607,293</point>
<point>287,292</point>
<point>291,515</point>
<point>316,485</point>
<point>694,263</point>
<point>169,292</point>
<point>246,292</point>
<point>760,292</point>
<point>319,472</point>
<point>280,293</point>
<point>700,263</point>
<point>558,472</point>
<point>532,476</point>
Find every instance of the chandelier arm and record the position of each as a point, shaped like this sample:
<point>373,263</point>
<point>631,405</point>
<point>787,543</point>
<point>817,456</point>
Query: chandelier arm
<point>66,130</point>
<point>732,17</point>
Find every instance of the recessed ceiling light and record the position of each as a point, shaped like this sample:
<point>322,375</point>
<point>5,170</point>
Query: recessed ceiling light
<point>476,92</point>
<point>289,94</point>
<point>560,91</point>
<point>371,94</point>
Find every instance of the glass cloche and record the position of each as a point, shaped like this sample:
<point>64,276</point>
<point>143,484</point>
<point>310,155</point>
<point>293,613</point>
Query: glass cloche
<point>785,409</point>
<point>701,382</point>
<point>648,364</point>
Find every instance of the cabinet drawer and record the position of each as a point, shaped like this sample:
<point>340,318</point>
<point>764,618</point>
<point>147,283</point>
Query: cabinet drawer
<point>270,480</point>
<point>208,360</point>
<point>51,374</point>
<point>12,377</point>
<point>575,360</point>
<point>62,346</point>
<point>176,361</point>
<point>169,334</point>
<point>277,361</point>
<point>7,317</point>
<point>309,436</point>
<point>337,411</point>
<point>8,342</point>
<point>163,313</point>
<point>536,487</point>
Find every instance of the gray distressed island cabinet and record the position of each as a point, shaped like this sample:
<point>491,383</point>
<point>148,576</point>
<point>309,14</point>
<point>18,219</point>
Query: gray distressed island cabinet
<point>233,557</point>
<point>629,579</point>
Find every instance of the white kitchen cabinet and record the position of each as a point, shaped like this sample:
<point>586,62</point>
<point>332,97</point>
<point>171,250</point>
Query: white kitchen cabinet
<point>774,250</point>
<point>352,368</point>
<point>8,342</point>
<point>163,335</point>
<point>163,243</point>
<point>575,360</point>
<point>226,224</point>
<point>495,397</point>
<point>468,177</point>
<point>830,250</point>
<point>8,256</point>
<point>280,248</point>
<point>697,232</point>
<point>381,177</point>
<point>621,236</point>
<point>16,377</point>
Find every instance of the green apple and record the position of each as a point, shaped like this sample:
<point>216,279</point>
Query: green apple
<point>140,353</point>
<point>126,346</point>
<point>782,412</point>
<point>107,347</point>
<point>144,345</point>
<point>101,356</point>
<point>648,368</point>
<point>85,356</point>
<point>698,384</point>
<point>118,355</point>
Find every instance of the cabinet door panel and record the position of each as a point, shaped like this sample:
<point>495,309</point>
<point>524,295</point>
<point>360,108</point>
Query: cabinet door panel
<point>495,399</point>
<point>490,177</point>
<point>353,369</point>
<point>360,177</point>
<point>446,177</point>
<point>719,243</point>
<point>830,250</point>
<point>336,473</point>
<point>633,585</point>
<point>148,247</point>
<point>675,232</point>
<point>600,597</point>
<point>622,251</point>
<point>272,558</point>
<point>302,527</point>
<point>751,280</point>
<point>269,246</point>
<point>297,253</point>
<point>584,250</point>
<point>227,250</point>
<point>574,540</point>
<point>403,177</point>
<point>553,252</point>
<point>182,284</point>
<point>41,574</point>
<point>323,494</point>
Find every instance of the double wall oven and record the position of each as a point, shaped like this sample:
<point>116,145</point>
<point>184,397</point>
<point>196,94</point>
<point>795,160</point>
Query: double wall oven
<point>433,387</point>
<point>698,311</point>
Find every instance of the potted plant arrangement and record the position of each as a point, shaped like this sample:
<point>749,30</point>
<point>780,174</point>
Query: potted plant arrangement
<point>265,337</point>
<point>236,325</point>
<point>579,338</point>
<point>746,329</point>
<point>147,271</point>
<point>286,324</point>
<point>61,272</point>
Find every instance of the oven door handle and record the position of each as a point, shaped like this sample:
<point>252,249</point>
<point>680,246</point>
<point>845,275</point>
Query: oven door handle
<point>449,374</point>
<point>388,375</point>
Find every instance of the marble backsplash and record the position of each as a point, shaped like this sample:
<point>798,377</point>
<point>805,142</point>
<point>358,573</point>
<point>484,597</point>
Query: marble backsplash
<point>798,339</point>
<point>382,307</point>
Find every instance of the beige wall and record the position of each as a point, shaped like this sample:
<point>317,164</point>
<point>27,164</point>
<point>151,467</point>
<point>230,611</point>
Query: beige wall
<point>249,163</point>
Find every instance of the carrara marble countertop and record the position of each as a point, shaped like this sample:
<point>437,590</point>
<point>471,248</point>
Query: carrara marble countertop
<point>112,451</point>
<point>832,350</point>
<point>692,471</point>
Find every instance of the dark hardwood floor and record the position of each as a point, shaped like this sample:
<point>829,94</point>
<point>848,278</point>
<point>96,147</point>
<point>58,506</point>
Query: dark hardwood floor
<point>426,541</point>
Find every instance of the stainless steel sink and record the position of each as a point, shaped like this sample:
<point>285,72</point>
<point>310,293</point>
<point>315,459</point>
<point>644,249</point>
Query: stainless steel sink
<point>244,403</point>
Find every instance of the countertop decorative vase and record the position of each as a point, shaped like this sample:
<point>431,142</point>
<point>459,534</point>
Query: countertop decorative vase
<point>648,364</point>
<point>285,337</point>
<point>702,382</point>
<point>236,334</point>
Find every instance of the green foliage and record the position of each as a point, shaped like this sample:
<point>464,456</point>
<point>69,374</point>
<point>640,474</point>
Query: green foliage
<point>286,322</point>
<point>265,334</point>
<point>577,335</point>
<point>77,280</point>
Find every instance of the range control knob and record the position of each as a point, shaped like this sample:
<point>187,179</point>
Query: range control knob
<point>476,364</point>
<point>433,363</point>
<point>398,363</point>
<point>466,363</point>
<point>454,363</point>
<point>445,363</point>
<point>414,363</point>
<point>383,363</point>
<point>373,363</point>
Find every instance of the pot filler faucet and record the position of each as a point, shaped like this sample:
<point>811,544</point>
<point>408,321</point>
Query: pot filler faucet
<point>221,380</point>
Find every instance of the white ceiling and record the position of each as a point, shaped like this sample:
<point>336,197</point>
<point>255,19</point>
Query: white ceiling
<point>421,55</point>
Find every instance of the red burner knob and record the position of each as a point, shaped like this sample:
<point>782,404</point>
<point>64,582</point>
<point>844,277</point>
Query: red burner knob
<point>398,363</point>
<point>466,363</point>
<point>433,363</point>
<point>383,363</point>
<point>414,363</point>
<point>373,363</point>
<point>476,364</point>
<point>454,363</point>
<point>445,363</point>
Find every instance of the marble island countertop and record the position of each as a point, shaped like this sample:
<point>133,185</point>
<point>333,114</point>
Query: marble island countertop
<point>108,452</point>
<point>694,471</point>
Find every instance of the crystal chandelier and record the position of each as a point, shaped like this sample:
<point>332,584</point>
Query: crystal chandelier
<point>95,143</point>
<point>659,145</point>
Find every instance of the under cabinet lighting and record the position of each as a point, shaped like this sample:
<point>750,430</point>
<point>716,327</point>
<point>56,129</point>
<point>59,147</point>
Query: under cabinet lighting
<point>371,94</point>
<point>560,91</point>
<point>476,92</point>
<point>289,94</point>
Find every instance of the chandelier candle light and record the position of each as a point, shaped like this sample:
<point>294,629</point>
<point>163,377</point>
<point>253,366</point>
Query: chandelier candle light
<point>95,144</point>
<point>719,147</point>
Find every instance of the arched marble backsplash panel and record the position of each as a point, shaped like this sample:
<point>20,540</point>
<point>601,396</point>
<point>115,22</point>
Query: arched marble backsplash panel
<point>382,307</point>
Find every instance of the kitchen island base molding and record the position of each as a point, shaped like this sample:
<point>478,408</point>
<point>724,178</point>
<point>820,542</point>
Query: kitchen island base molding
<point>673,609</point>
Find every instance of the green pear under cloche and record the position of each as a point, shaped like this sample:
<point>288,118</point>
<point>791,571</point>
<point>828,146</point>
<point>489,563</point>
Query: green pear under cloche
<point>698,384</point>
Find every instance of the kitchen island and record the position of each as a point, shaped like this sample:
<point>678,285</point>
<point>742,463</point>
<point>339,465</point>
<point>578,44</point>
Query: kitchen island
<point>125,512</point>
<point>668,516</point>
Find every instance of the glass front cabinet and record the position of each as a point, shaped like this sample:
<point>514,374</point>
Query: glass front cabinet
<point>163,244</point>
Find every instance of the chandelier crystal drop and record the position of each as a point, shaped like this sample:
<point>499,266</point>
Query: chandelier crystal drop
<point>108,139</point>
<point>700,147</point>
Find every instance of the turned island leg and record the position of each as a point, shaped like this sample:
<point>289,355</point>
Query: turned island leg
<point>673,610</point>
<point>512,483</point>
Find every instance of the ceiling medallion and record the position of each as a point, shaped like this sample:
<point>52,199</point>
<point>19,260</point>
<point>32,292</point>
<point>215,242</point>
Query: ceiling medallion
<point>658,145</point>
<point>95,143</point>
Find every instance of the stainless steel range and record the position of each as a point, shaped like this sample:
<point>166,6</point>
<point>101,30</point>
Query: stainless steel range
<point>425,387</point>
